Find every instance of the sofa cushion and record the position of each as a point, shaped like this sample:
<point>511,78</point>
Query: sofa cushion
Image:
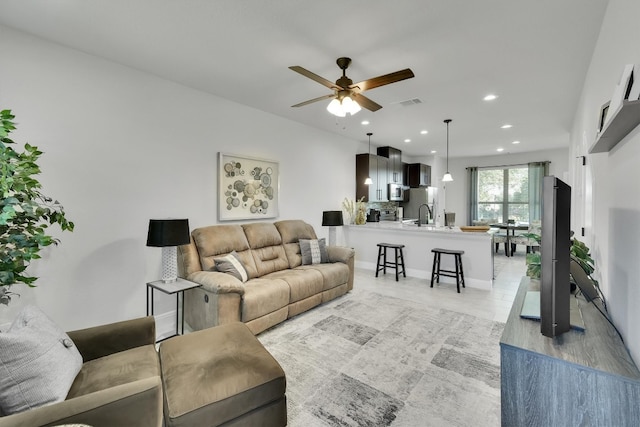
<point>291,231</point>
<point>217,240</point>
<point>38,362</point>
<point>263,296</point>
<point>261,234</point>
<point>302,283</point>
<point>313,251</point>
<point>333,274</point>
<point>266,248</point>
<point>116,369</point>
<point>231,264</point>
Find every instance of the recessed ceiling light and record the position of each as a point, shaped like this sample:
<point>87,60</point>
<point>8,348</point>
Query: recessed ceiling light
<point>490,97</point>
<point>364,122</point>
<point>500,149</point>
<point>407,140</point>
<point>433,151</point>
<point>516,142</point>
<point>424,132</point>
<point>506,126</point>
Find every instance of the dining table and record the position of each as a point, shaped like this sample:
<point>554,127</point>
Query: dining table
<point>511,231</point>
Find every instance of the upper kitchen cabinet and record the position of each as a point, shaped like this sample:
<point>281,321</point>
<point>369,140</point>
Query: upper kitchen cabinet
<point>396,171</point>
<point>418,175</point>
<point>375,167</point>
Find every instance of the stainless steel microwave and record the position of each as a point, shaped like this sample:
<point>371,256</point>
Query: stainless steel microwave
<point>397,192</point>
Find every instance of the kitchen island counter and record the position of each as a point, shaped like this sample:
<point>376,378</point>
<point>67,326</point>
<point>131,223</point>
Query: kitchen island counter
<point>477,260</point>
<point>413,228</point>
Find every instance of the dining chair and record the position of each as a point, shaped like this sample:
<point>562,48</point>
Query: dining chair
<point>535,227</point>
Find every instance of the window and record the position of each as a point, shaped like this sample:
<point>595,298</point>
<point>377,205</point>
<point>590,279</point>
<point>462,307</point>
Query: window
<point>503,194</point>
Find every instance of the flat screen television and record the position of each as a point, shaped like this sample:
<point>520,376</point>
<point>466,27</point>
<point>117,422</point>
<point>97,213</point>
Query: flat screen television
<point>555,288</point>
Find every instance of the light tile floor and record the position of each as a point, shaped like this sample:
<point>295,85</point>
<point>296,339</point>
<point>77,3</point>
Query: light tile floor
<point>492,305</point>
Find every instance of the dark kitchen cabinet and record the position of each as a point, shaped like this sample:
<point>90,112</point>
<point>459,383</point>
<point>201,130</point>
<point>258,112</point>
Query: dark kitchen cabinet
<point>418,175</point>
<point>375,167</point>
<point>396,170</point>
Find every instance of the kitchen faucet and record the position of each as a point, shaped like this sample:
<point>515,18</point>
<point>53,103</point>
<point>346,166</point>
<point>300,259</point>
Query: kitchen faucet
<point>428,211</point>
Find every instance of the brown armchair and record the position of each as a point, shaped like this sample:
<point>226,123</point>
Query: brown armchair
<point>119,383</point>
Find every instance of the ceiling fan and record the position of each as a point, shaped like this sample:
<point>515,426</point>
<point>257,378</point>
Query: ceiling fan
<point>347,96</point>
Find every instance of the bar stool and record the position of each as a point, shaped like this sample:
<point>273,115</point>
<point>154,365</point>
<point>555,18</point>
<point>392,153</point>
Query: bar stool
<point>398,259</point>
<point>458,273</point>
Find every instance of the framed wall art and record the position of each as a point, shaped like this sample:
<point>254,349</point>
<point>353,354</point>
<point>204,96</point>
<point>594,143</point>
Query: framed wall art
<point>248,187</point>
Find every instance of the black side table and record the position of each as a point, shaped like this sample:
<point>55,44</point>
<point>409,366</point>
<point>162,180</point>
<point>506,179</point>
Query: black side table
<point>178,287</point>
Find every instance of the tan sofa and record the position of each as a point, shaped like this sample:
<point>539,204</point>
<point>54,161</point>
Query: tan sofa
<point>279,286</point>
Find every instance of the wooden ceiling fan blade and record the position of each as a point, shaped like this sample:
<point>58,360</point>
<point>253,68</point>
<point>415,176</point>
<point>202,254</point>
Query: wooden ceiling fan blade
<point>383,80</point>
<point>311,101</point>
<point>365,102</point>
<point>314,77</point>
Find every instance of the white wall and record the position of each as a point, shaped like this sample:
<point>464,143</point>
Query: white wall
<point>121,147</point>
<point>610,183</point>
<point>458,190</point>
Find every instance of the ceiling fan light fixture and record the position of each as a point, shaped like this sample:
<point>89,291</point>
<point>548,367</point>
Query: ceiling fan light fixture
<point>350,106</point>
<point>341,106</point>
<point>335,108</point>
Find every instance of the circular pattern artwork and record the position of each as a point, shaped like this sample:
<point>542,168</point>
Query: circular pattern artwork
<point>248,187</point>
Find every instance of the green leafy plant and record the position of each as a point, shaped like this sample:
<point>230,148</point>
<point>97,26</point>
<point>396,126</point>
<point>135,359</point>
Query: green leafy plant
<point>579,251</point>
<point>533,259</point>
<point>25,212</point>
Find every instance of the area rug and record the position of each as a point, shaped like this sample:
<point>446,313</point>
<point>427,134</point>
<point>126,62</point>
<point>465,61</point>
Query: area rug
<point>366,359</point>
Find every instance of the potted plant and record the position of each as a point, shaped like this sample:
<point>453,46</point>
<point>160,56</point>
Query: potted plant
<point>533,259</point>
<point>580,252</point>
<point>352,209</point>
<point>25,212</point>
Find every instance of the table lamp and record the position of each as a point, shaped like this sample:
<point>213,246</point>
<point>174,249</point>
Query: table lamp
<point>168,234</point>
<point>332,219</point>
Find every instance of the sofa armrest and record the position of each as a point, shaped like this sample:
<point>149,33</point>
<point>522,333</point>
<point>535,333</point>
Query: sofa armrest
<point>340,253</point>
<point>217,282</point>
<point>136,404</point>
<point>112,338</point>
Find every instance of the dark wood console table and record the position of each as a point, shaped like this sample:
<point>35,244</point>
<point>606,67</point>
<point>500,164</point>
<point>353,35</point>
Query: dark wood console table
<point>580,378</point>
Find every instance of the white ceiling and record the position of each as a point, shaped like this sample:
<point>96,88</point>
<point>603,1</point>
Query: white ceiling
<point>533,54</point>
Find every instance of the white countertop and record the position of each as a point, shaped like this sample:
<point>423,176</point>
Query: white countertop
<point>413,228</point>
<point>418,243</point>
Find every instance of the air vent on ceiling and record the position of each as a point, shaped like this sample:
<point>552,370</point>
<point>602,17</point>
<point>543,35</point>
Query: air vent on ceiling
<point>409,102</point>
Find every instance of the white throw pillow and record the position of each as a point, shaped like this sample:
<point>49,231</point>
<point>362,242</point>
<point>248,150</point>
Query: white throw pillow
<point>232,265</point>
<point>38,363</point>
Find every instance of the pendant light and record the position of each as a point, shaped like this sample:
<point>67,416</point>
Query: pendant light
<point>447,176</point>
<point>368,181</point>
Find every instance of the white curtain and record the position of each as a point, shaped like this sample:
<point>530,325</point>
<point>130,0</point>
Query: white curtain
<point>537,171</point>
<point>472,179</point>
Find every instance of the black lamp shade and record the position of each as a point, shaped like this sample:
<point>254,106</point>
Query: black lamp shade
<point>168,232</point>
<point>332,218</point>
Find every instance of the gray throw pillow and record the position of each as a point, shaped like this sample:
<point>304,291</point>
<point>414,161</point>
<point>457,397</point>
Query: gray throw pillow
<point>232,265</point>
<point>313,251</point>
<point>38,362</point>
